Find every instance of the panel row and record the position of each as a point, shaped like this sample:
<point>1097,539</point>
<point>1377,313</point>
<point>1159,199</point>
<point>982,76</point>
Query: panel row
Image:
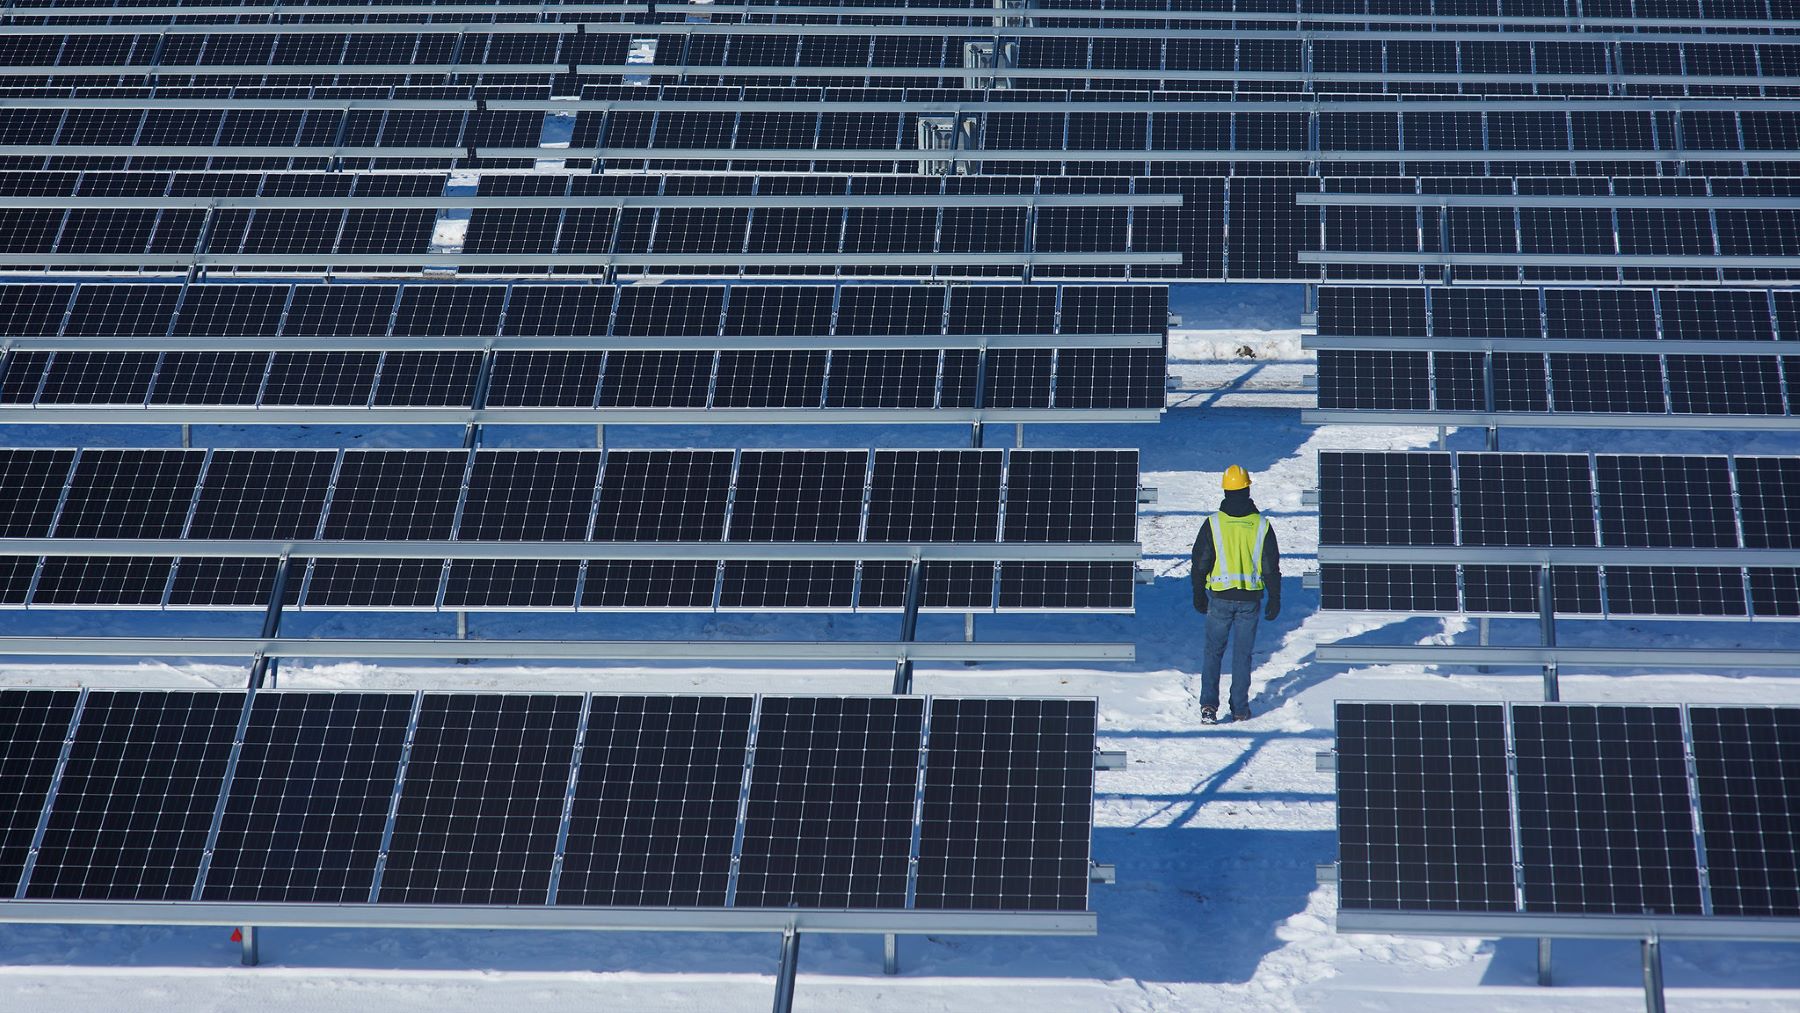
<point>1550,500</point>
<point>1691,314</point>
<point>1197,54</point>
<point>1068,378</point>
<point>884,496</point>
<point>1588,592</point>
<point>1412,15</point>
<point>1694,230</point>
<point>1242,228</point>
<point>730,235</point>
<point>1568,809</point>
<point>425,310</point>
<point>541,799</point>
<point>1724,385</point>
<point>551,585</point>
<point>1280,134</point>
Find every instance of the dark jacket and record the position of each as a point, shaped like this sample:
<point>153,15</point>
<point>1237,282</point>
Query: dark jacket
<point>1237,503</point>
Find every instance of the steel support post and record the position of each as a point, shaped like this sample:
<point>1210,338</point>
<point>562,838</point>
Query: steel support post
<point>249,957</point>
<point>890,954</point>
<point>969,635</point>
<point>1018,434</point>
<point>600,436</point>
<point>909,628</point>
<point>1547,624</point>
<point>263,667</point>
<point>187,436</point>
<point>790,968</point>
<point>1443,438</point>
<point>1481,631</point>
<point>1493,438</point>
<point>1653,976</point>
<point>462,632</point>
<point>1544,962</point>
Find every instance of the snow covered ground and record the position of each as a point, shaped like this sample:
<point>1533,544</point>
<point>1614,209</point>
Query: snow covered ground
<point>1215,831</point>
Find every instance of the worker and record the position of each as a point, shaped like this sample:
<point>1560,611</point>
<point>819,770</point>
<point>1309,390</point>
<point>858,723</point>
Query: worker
<point>1235,561</point>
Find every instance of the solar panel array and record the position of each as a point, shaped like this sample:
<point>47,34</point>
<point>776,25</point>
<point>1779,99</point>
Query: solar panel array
<point>377,800</point>
<point>1511,513</point>
<point>1468,810</point>
<point>204,529</point>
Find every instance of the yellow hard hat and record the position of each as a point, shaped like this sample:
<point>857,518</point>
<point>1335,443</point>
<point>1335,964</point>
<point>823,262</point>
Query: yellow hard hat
<point>1236,478</point>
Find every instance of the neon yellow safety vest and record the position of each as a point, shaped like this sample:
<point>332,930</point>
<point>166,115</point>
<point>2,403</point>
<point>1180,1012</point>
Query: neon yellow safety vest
<point>1237,552</point>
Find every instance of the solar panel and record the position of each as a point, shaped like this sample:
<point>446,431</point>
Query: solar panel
<point>1385,499</point>
<point>130,494</point>
<point>655,802</point>
<point>1489,486</point>
<point>783,584</point>
<point>226,583</point>
<point>33,725</point>
<point>481,800</point>
<point>1424,806</point>
<point>1605,825</point>
<point>512,584</point>
<point>34,482</point>
<point>934,496</point>
<point>525,495</point>
<point>1746,761</point>
<point>135,801</point>
<point>322,379</point>
<point>663,496</point>
<point>263,494</point>
<point>309,798</point>
<point>798,496</point>
<point>373,584</point>
<point>1007,788</point>
<point>1071,496</point>
<point>649,584</point>
<point>396,494</point>
<point>829,814</point>
<point>101,581</point>
<point>1663,502</point>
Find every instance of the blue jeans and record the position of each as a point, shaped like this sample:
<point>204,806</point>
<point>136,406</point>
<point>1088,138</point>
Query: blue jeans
<point>1237,620</point>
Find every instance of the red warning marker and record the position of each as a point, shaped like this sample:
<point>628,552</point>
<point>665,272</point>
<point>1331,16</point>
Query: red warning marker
<point>237,935</point>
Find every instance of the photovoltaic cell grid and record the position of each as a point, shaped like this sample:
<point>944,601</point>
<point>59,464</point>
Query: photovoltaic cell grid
<point>829,814</point>
<point>544,310</point>
<point>1564,500</point>
<point>1423,807</point>
<point>1607,820</point>
<point>528,799</point>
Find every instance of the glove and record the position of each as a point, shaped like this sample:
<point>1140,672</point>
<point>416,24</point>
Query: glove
<point>1200,603</point>
<point>1272,611</point>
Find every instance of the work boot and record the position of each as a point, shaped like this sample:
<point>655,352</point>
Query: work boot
<point>1209,715</point>
<point>1243,715</point>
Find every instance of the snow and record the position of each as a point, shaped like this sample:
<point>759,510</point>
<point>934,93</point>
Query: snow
<point>1215,831</point>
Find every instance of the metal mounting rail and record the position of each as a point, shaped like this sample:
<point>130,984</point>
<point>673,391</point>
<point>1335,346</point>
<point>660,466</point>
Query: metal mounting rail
<point>560,917</point>
<point>862,73</point>
<point>1545,556</point>
<point>1565,29</point>
<point>284,416</point>
<point>1665,260</point>
<point>1581,926</point>
<point>811,551</point>
<point>413,260</point>
<point>1175,102</point>
<point>755,202</point>
<point>1580,346</point>
<point>565,650</point>
<point>893,154</point>
<point>599,343</point>
<point>1464,200</point>
<point>1535,657</point>
<point>1537,420</point>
